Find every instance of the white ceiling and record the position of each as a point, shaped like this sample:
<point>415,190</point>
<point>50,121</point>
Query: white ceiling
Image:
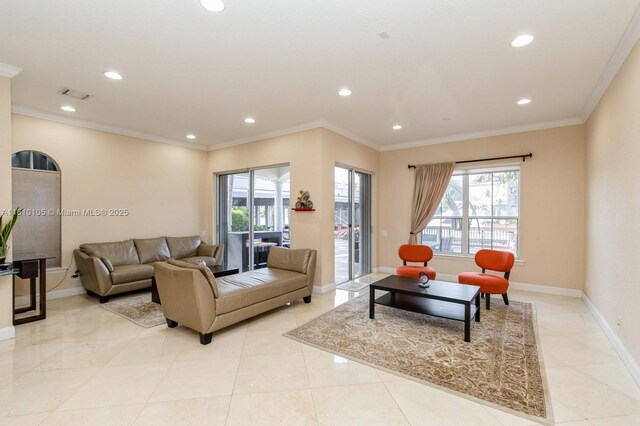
<point>448,68</point>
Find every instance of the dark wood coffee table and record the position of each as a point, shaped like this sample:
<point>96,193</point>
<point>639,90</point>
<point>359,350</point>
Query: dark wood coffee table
<point>441,299</point>
<point>217,270</point>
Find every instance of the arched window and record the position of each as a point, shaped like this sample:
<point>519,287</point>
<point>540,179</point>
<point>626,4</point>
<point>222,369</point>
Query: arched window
<point>36,188</point>
<point>33,160</point>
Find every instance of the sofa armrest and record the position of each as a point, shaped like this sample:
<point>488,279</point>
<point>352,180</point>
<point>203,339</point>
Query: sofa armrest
<point>107,263</point>
<point>94,274</point>
<point>212,250</point>
<point>187,297</point>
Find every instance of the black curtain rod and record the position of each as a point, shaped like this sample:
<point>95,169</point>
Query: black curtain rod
<point>523,156</point>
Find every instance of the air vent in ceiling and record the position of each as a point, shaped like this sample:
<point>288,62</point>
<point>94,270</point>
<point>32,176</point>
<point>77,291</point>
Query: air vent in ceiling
<point>77,94</point>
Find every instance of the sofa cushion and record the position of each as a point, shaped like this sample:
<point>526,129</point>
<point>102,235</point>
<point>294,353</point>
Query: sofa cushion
<point>289,259</point>
<point>183,246</point>
<point>245,289</point>
<point>124,274</point>
<point>210,261</point>
<point>205,271</point>
<point>118,253</point>
<point>152,250</point>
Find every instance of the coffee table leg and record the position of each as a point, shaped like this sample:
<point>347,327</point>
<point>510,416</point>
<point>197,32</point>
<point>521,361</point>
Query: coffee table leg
<point>372,299</point>
<point>478,308</point>
<point>467,322</point>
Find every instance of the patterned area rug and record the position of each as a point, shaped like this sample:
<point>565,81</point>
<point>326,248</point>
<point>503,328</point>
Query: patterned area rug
<point>138,309</point>
<point>500,367</point>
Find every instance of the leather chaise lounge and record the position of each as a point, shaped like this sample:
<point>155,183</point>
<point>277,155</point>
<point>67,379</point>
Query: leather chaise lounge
<point>191,296</point>
<point>111,268</point>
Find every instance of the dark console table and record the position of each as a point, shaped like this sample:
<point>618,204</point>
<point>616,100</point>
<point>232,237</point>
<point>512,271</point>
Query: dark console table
<point>31,265</point>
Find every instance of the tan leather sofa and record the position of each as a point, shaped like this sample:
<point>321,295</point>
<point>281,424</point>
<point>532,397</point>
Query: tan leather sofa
<point>192,297</point>
<point>117,267</point>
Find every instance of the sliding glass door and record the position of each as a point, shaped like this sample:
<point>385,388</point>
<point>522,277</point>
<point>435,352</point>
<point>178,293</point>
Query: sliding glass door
<point>253,215</point>
<point>352,224</point>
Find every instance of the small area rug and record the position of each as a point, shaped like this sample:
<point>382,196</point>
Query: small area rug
<point>352,286</point>
<point>500,367</point>
<point>138,309</point>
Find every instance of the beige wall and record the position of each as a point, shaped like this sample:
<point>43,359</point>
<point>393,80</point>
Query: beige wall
<point>613,204</point>
<point>341,150</point>
<point>551,205</point>
<point>6,292</point>
<point>163,186</point>
<point>312,155</point>
<point>301,151</point>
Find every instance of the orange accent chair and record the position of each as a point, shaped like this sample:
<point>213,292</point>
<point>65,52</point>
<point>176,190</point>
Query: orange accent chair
<point>495,260</point>
<point>415,253</point>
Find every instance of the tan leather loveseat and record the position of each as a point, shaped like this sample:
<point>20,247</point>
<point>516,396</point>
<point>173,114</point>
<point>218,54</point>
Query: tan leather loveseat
<point>191,296</point>
<point>111,268</point>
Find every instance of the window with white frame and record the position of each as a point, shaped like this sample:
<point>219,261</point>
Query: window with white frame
<point>480,209</point>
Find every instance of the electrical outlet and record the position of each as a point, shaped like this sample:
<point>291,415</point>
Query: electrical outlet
<point>75,276</point>
<point>619,320</point>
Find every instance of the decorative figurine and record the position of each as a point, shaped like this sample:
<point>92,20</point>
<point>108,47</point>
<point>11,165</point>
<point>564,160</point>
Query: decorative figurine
<point>423,280</point>
<point>304,201</point>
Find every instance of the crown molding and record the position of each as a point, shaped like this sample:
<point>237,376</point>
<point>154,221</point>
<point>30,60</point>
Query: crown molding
<point>17,109</point>
<point>316,124</point>
<point>628,40</point>
<point>486,133</point>
<point>310,125</point>
<point>9,71</point>
<point>349,135</point>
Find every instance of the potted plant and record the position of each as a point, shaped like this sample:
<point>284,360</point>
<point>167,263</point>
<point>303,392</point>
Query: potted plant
<point>5,231</point>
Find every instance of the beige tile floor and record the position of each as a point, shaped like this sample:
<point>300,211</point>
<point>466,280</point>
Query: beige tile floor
<point>85,365</point>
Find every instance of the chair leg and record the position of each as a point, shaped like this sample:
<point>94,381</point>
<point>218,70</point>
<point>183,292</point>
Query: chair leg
<point>482,295</point>
<point>171,323</point>
<point>307,299</point>
<point>488,301</point>
<point>505,298</point>
<point>205,339</point>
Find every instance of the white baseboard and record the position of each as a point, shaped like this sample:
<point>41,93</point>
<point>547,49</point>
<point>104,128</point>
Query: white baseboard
<point>65,292</point>
<point>7,333</point>
<point>55,294</point>
<point>386,269</point>
<point>535,288</point>
<point>323,289</point>
<point>620,348</point>
<point>546,289</point>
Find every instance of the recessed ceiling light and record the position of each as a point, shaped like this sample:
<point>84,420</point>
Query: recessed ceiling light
<point>113,75</point>
<point>68,108</point>
<point>524,101</point>
<point>397,127</point>
<point>249,120</point>
<point>522,40</point>
<point>213,5</point>
<point>191,136</point>
<point>344,92</point>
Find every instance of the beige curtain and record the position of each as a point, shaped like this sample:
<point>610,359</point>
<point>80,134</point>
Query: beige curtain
<point>429,188</point>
